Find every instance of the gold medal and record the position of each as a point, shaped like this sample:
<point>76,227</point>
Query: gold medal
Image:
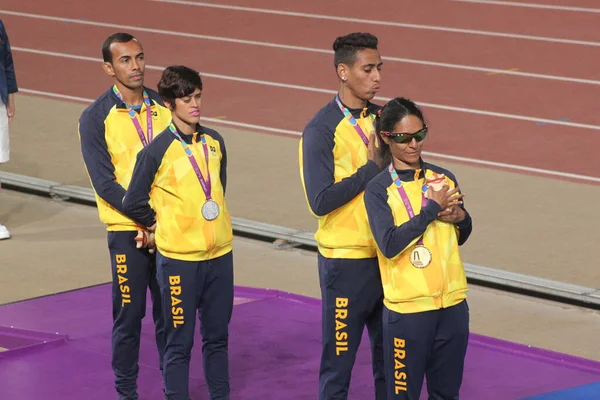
<point>420,257</point>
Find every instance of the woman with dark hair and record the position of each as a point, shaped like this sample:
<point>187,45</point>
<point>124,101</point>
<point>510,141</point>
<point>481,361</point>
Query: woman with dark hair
<point>418,220</point>
<point>178,191</point>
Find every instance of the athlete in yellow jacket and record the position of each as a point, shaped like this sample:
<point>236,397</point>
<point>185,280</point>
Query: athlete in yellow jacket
<point>416,214</point>
<point>338,157</point>
<point>112,130</point>
<point>184,175</point>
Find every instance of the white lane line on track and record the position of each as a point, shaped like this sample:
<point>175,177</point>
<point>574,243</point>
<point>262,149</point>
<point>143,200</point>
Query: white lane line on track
<point>495,71</point>
<point>513,167</point>
<point>532,5</point>
<point>382,23</point>
<point>544,121</point>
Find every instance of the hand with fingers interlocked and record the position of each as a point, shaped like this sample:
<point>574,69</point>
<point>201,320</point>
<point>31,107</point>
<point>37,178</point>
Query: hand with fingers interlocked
<point>454,214</point>
<point>450,201</point>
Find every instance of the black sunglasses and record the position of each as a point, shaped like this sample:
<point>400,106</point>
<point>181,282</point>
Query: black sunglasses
<point>407,137</point>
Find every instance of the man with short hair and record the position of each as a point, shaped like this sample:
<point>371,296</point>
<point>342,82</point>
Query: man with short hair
<point>112,130</point>
<point>338,156</point>
<point>8,88</point>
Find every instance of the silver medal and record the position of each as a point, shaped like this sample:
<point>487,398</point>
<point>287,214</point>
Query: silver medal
<point>210,210</point>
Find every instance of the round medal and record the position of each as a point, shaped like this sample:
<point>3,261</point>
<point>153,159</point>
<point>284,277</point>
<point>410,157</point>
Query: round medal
<point>420,257</point>
<point>210,210</point>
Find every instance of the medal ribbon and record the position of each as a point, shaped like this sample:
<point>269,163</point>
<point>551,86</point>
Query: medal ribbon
<point>133,116</point>
<point>404,196</point>
<point>352,120</point>
<point>205,183</point>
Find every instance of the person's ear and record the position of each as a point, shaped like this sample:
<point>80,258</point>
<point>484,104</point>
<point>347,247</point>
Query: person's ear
<point>386,140</point>
<point>342,71</point>
<point>168,105</point>
<point>108,68</point>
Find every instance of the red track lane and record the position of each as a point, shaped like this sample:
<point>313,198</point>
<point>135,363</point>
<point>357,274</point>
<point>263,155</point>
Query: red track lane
<point>493,139</point>
<point>492,52</point>
<point>510,95</point>
<point>451,14</point>
<point>565,3</point>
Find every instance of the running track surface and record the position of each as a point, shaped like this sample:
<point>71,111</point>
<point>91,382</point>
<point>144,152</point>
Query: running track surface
<point>202,36</point>
<point>251,79</point>
<point>274,354</point>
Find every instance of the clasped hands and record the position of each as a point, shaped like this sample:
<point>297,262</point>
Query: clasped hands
<point>145,239</point>
<point>450,201</point>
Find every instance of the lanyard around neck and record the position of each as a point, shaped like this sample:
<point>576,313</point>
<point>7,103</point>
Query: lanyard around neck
<point>134,118</point>
<point>205,183</point>
<point>352,120</point>
<point>404,196</point>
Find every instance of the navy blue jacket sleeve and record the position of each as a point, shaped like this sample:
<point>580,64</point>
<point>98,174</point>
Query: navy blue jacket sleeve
<point>97,160</point>
<point>466,225</point>
<point>325,196</point>
<point>392,239</point>
<point>9,66</point>
<point>135,202</point>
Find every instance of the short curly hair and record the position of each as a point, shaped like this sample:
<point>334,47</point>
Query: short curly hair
<point>178,81</point>
<point>346,47</point>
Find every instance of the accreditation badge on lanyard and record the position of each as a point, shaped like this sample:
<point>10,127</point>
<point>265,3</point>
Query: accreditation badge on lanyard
<point>353,121</point>
<point>210,208</point>
<point>134,118</point>
<point>420,255</point>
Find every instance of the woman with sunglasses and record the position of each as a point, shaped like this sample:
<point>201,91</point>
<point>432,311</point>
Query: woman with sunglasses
<point>418,220</point>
